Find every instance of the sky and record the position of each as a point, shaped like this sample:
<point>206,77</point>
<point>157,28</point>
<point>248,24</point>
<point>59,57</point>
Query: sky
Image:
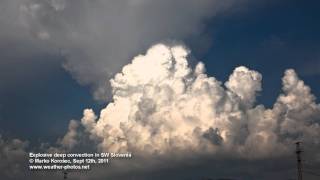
<point>58,56</point>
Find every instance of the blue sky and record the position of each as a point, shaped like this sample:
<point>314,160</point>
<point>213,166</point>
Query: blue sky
<point>268,39</point>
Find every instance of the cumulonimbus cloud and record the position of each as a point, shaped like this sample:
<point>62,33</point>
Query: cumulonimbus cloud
<point>162,106</point>
<point>163,110</point>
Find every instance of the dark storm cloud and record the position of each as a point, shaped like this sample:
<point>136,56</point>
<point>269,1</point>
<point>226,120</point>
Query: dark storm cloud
<point>98,37</point>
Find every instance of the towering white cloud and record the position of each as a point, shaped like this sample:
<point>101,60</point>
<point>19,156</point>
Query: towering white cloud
<point>245,83</point>
<point>163,110</point>
<point>161,106</point>
<point>298,113</point>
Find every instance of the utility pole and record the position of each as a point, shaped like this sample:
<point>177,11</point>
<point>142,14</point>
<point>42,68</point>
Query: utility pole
<point>65,175</point>
<point>299,164</point>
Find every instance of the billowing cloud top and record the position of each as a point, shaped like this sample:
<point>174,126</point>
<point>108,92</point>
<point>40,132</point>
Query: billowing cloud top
<point>161,106</point>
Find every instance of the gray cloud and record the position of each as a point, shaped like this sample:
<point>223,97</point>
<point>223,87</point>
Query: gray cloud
<point>13,157</point>
<point>98,37</point>
<point>213,135</point>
